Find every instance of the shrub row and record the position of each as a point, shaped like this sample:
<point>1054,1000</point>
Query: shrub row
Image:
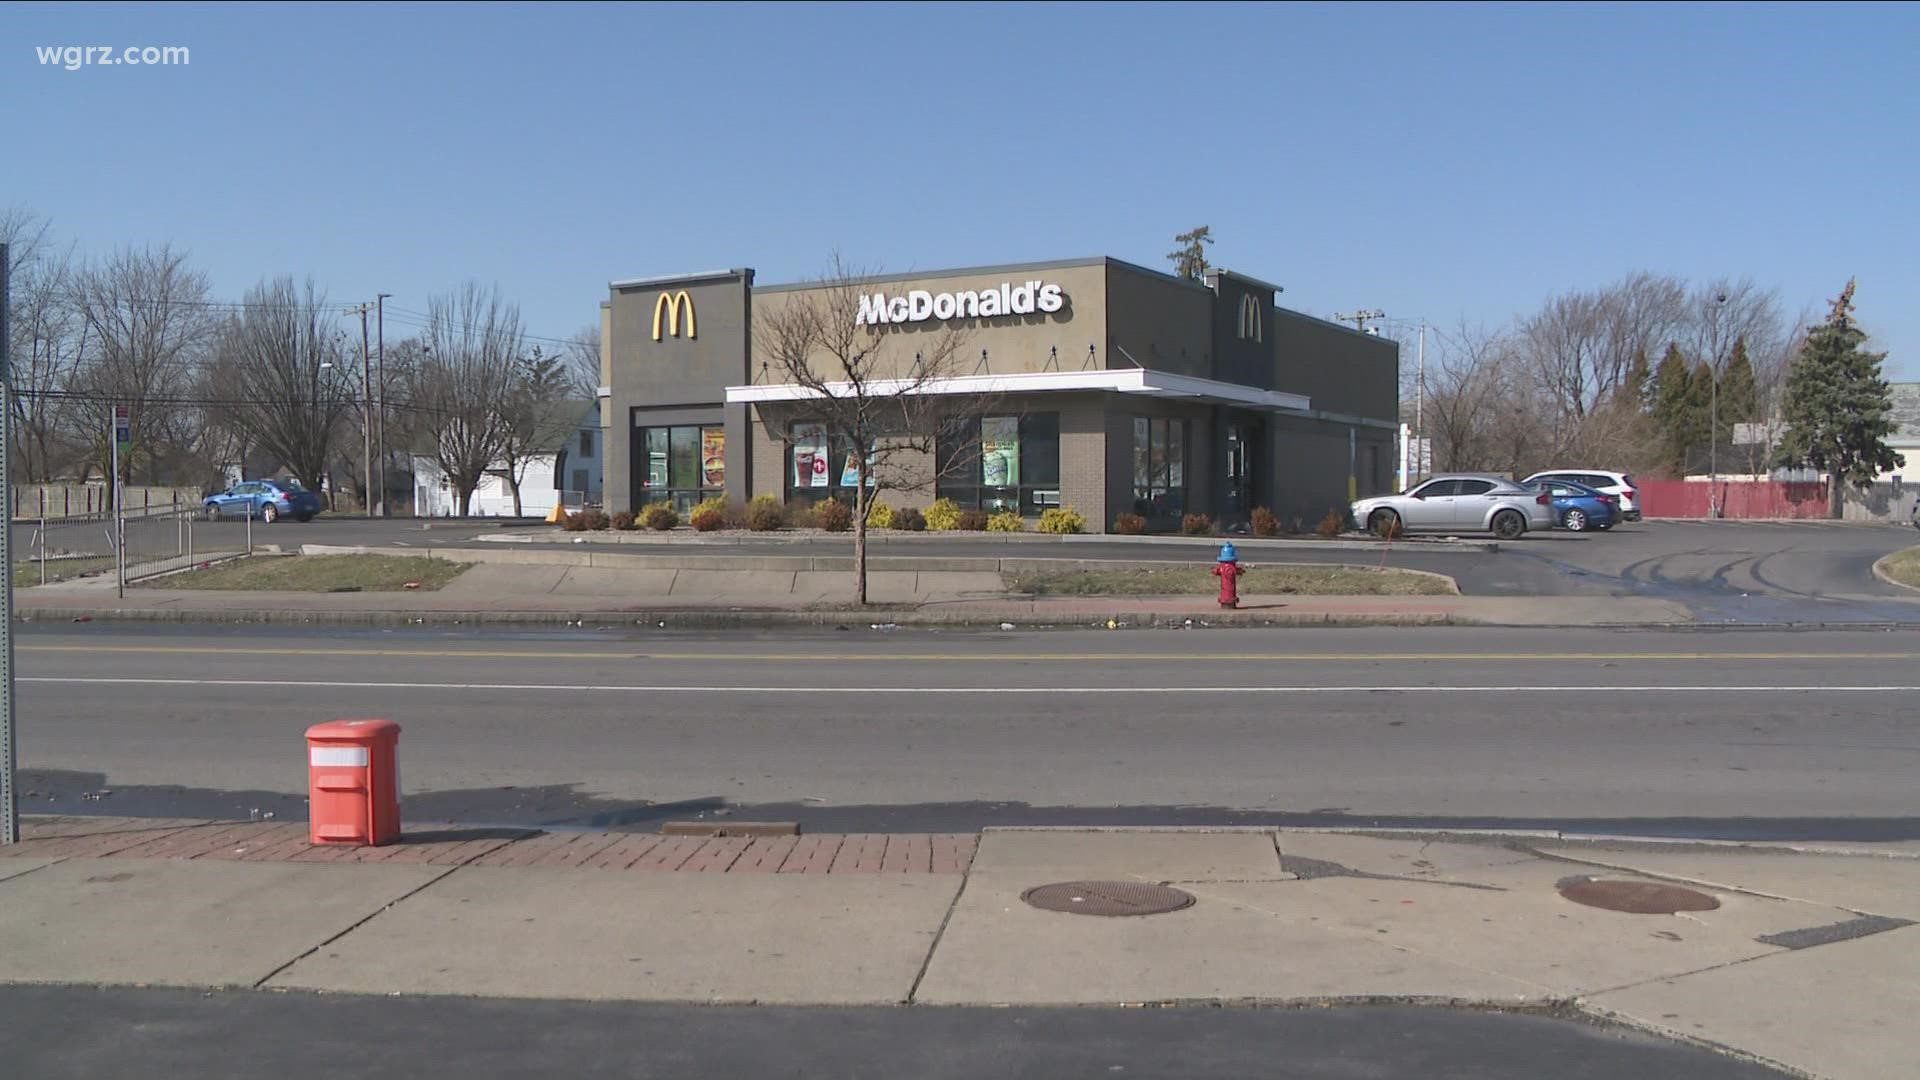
<point>766,514</point>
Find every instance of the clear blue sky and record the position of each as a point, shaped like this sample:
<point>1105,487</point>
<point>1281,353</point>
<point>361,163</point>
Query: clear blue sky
<point>1431,160</point>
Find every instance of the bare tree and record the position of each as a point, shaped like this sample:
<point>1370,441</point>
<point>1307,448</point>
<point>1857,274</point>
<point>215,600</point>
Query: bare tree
<point>148,325</point>
<point>1465,378</point>
<point>583,363</point>
<point>48,336</point>
<point>871,387</point>
<point>536,417</point>
<point>1580,345</point>
<point>459,385</point>
<point>281,378</point>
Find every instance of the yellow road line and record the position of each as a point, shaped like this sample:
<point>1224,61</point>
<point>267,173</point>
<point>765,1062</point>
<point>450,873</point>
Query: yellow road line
<point>910,657</point>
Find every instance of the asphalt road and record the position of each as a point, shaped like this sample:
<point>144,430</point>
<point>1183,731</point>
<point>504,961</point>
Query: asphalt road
<point>50,1033</point>
<point>1752,733</point>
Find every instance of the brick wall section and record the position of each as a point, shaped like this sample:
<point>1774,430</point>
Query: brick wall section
<point>1083,459</point>
<point>822,853</point>
<point>768,455</point>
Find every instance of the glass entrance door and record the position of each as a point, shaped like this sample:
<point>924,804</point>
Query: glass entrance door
<point>1243,451</point>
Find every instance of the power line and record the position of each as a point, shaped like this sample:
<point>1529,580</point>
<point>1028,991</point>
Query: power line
<point>237,305</point>
<point>177,402</point>
<point>422,320</point>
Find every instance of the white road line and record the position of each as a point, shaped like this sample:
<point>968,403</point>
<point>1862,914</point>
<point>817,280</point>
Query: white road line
<point>1605,688</point>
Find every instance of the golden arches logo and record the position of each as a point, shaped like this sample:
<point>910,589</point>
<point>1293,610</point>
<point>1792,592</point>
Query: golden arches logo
<point>671,305</point>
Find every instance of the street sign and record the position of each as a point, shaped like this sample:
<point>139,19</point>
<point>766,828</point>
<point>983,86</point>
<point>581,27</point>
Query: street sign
<point>122,428</point>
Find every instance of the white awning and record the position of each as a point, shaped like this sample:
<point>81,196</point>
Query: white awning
<point>1142,381</point>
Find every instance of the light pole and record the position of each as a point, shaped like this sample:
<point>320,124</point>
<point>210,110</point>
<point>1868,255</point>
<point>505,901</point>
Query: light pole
<point>1714,509</point>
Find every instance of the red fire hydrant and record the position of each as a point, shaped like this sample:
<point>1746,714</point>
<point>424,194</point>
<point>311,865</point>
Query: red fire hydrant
<point>1228,570</point>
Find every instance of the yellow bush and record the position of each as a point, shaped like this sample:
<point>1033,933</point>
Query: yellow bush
<point>943,515</point>
<point>879,515</point>
<point>1062,519</point>
<point>1007,521</point>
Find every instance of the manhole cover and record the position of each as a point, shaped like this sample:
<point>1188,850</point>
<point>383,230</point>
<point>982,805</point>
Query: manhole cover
<point>1107,898</point>
<point>1637,897</point>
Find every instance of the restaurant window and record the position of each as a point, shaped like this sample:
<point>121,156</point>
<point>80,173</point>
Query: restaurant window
<point>996,463</point>
<point>819,468</point>
<point>682,465</point>
<point>1159,466</point>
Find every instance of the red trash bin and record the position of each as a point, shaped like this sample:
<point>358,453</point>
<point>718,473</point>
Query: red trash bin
<point>353,782</point>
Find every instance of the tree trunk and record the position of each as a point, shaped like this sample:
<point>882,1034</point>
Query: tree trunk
<point>464,493</point>
<point>513,485</point>
<point>860,532</point>
<point>1833,494</point>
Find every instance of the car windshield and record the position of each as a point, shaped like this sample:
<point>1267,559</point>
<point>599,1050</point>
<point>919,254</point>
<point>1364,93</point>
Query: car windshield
<point>288,485</point>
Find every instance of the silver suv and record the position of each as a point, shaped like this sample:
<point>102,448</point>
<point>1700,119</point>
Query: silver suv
<point>1458,503</point>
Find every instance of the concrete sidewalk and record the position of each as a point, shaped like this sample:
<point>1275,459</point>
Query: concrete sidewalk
<point>544,593</point>
<point>1809,961</point>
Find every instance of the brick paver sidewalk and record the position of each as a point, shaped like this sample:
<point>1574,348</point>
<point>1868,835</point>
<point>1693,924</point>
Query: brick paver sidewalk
<point>134,838</point>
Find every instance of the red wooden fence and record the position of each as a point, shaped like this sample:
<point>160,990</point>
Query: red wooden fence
<point>1738,498</point>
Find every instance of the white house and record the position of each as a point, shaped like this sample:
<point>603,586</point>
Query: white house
<point>567,471</point>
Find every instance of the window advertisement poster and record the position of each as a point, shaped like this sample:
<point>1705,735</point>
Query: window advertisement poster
<point>713,457</point>
<point>809,455</point>
<point>850,475</point>
<point>1000,451</point>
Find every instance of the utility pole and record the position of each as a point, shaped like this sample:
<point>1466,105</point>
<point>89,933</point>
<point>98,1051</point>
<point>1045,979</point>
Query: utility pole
<point>366,406</point>
<point>1359,318</point>
<point>380,304</point>
<point>9,756</point>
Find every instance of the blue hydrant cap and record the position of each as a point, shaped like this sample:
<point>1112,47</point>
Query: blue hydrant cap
<point>1227,554</point>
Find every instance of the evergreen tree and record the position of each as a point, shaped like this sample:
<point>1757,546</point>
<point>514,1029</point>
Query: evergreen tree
<point>1190,258</point>
<point>1674,418</point>
<point>1699,411</point>
<point>1739,397</point>
<point>1837,408</point>
<point>1635,392</point>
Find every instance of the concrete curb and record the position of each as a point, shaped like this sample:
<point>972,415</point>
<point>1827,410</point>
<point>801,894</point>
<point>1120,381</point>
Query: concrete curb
<point>884,537</point>
<point>1784,848</point>
<point>1880,570</point>
<point>709,619</point>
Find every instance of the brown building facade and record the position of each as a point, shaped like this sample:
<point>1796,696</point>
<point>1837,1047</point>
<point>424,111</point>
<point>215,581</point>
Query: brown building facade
<point>1112,388</point>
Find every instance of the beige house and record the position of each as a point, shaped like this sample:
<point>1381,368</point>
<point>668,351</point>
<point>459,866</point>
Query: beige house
<point>1113,389</point>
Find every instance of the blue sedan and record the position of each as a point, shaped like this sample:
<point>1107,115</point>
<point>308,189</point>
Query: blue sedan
<point>1577,507</point>
<point>268,500</point>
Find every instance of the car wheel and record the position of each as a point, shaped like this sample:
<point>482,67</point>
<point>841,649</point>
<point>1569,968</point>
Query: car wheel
<point>1576,520</point>
<point>268,514</point>
<point>1603,528</point>
<point>303,518</point>
<point>1509,525</point>
<point>213,512</point>
<point>1384,523</point>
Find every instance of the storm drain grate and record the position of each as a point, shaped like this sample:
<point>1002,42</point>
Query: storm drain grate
<point>1107,898</point>
<point>1636,897</point>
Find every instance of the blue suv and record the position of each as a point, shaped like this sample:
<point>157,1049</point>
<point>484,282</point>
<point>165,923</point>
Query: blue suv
<point>268,500</point>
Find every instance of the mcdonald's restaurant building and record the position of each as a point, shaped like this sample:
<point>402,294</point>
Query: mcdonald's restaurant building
<point>1113,389</point>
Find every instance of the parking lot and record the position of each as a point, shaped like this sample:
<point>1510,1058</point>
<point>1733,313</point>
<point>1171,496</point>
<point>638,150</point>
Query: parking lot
<point>1735,570</point>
